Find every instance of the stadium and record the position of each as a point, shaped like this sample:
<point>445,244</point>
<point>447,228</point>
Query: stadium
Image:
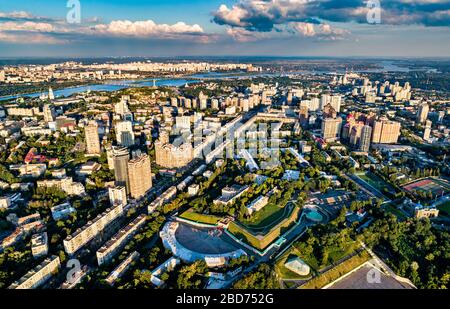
<point>192,242</point>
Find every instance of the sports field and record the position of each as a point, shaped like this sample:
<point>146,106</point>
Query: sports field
<point>435,186</point>
<point>376,182</point>
<point>204,240</point>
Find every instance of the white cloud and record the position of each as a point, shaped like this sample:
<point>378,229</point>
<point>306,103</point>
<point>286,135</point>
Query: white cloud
<point>22,26</point>
<point>16,15</point>
<point>306,29</point>
<point>26,26</point>
<point>146,28</point>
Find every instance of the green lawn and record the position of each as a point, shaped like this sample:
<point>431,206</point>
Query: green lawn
<point>193,216</point>
<point>375,181</point>
<point>445,208</point>
<point>335,253</point>
<point>265,217</point>
<point>337,272</point>
<point>393,210</point>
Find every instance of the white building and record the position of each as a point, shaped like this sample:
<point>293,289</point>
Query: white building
<point>124,133</point>
<point>118,196</point>
<point>39,245</point>
<point>62,211</point>
<point>193,189</point>
<point>257,204</point>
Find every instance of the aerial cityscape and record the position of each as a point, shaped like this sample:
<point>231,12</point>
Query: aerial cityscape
<point>127,165</point>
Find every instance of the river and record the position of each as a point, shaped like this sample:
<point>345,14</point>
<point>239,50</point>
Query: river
<point>176,82</point>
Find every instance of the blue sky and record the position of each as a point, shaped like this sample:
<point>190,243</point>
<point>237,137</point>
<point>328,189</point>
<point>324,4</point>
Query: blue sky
<point>417,28</point>
<point>168,11</point>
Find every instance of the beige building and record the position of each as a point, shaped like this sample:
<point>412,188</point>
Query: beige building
<point>37,276</point>
<point>139,176</point>
<point>82,236</point>
<point>426,212</point>
<point>49,113</point>
<point>124,133</point>
<point>65,184</point>
<point>422,113</point>
<point>331,128</point>
<point>386,131</point>
<point>92,139</point>
<point>119,240</point>
<point>171,156</point>
<point>21,111</point>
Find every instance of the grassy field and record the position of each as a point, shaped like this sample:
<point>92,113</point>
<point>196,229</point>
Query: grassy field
<point>337,272</point>
<point>393,210</point>
<point>335,254</point>
<point>445,208</point>
<point>375,182</point>
<point>199,218</point>
<point>266,218</point>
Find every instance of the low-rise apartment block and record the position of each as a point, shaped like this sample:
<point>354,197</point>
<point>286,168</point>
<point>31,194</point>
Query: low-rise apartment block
<point>39,275</point>
<point>82,236</point>
<point>106,252</point>
<point>39,245</point>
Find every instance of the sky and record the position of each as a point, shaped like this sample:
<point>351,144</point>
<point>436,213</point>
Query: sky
<point>168,28</point>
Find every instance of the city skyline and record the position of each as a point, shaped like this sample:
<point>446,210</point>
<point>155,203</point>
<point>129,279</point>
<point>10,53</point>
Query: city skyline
<point>224,28</point>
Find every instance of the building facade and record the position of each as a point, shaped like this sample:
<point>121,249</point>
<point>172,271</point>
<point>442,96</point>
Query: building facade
<point>92,138</point>
<point>139,176</point>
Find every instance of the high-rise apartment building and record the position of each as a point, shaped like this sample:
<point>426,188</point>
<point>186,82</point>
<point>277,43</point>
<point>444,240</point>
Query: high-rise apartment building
<point>427,131</point>
<point>422,113</point>
<point>385,131</point>
<point>336,102</point>
<point>49,113</point>
<point>303,115</point>
<point>124,133</point>
<point>355,134</point>
<point>366,135</point>
<point>121,108</point>
<point>324,100</point>
<point>172,156</point>
<point>92,138</point>
<point>121,157</point>
<point>139,176</point>
<point>331,128</point>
